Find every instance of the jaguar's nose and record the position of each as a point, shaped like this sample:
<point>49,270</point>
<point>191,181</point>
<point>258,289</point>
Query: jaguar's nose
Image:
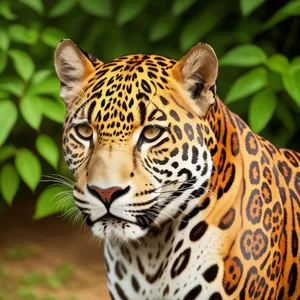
<point>107,196</point>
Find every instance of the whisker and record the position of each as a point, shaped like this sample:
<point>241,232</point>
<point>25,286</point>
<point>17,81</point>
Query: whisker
<point>172,191</point>
<point>60,177</point>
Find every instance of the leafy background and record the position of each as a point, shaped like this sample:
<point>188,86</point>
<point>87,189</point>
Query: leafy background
<point>259,74</point>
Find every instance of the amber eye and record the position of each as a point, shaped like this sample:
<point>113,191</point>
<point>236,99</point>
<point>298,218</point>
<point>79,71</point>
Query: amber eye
<point>84,131</point>
<point>152,133</point>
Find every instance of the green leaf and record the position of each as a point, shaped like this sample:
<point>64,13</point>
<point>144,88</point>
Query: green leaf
<point>162,27</point>
<point>18,252</point>
<point>3,60</point>
<point>32,278</point>
<point>53,282</point>
<point>8,118</point>
<point>49,86</point>
<point>26,293</point>
<point>48,149</point>
<point>51,36</point>
<point>6,12</point>
<point>4,39</point>
<point>9,182</point>
<point>295,64</point>
<point>12,84</point>
<point>33,32</point>
<point>36,5</point>
<point>287,130</point>
<point>286,117</point>
<point>23,63</point>
<point>275,81</point>
<point>291,84</point>
<point>292,8</point>
<point>202,24</point>
<point>18,33</point>
<point>261,110</point>
<point>179,6</point>
<point>40,76</point>
<point>248,6</point>
<point>48,201</point>
<point>21,34</point>
<point>278,63</point>
<point>244,56</point>
<point>247,84</point>
<point>6,152</point>
<point>129,10</point>
<point>4,95</point>
<point>50,297</point>
<point>53,110</point>
<point>62,7</point>
<point>28,167</point>
<point>30,110</point>
<point>64,272</point>
<point>100,8</point>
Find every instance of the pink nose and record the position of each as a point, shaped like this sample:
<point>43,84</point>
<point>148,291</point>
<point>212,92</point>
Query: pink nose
<point>107,195</point>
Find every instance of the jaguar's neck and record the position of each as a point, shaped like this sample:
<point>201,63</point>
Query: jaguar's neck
<point>226,183</point>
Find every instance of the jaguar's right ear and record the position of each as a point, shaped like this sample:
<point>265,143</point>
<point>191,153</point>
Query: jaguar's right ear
<point>73,66</point>
<point>197,73</point>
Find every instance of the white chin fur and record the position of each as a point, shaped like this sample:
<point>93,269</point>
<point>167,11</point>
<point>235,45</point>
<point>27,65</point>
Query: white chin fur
<point>117,232</point>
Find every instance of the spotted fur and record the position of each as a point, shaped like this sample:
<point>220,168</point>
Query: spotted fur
<point>205,208</point>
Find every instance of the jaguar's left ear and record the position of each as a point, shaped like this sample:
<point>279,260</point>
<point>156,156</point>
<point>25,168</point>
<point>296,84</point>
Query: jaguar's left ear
<point>197,72</point>
<point>73,67</point>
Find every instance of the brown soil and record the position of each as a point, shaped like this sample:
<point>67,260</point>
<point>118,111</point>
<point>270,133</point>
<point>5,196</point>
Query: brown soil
<point>53,242</point>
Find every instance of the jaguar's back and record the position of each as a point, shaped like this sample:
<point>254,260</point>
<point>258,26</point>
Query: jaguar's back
<point>191,203</point>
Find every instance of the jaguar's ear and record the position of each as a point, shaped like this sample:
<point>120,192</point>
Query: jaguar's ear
<point>73,66</point>
<point>197,72</point>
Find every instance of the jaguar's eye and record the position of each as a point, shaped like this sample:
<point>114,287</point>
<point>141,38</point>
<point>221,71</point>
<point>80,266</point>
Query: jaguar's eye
<point>152,133</point>
<point>84,131</point>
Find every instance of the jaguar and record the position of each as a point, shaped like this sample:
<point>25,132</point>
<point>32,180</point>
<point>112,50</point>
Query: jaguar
<point>191,204</point>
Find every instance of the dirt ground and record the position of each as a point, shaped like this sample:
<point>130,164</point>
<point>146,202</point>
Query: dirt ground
<point>52,242</point>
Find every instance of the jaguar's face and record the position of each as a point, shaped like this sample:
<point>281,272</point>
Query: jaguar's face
<point>133,141</point>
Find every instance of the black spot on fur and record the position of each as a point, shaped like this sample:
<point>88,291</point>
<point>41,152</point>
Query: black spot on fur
<point>178,132</point>
<point>193,293</point>
<point>227,219</point>
<point>211,273</point>
<point>254,207</point>
<point>135,283</point>
<point>292,280</point>
<point>120,292</point>
<point>198,231</point>
<point>166,290</point>
<point>254,173</point>
<point>180,263</point>
<point>174,115</point>
<point>215,296</point>
<point>188,129</point>
<point>177,247</point>
<point>251,144</point>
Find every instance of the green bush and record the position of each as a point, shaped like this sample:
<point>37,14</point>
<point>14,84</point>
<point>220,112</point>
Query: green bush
<point>258,78</point>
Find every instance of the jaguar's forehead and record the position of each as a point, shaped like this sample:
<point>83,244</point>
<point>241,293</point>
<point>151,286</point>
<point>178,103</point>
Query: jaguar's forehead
<point>133,75</point>
<point>117,94</point>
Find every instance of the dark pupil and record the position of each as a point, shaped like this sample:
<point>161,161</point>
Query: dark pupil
<point>151,132</point>
<point>85,130</point>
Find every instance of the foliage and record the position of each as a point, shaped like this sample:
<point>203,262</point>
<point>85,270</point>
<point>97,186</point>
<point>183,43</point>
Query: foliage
<point>29,284</point>
<point>18,253</point>
<point>255,40</point>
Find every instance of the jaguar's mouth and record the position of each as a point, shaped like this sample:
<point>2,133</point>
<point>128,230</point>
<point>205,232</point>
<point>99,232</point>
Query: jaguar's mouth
<point>113,228</point>
<point>109,218</point>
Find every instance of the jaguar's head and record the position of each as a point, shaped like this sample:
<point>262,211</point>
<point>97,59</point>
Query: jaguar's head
<point>135,136</point>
